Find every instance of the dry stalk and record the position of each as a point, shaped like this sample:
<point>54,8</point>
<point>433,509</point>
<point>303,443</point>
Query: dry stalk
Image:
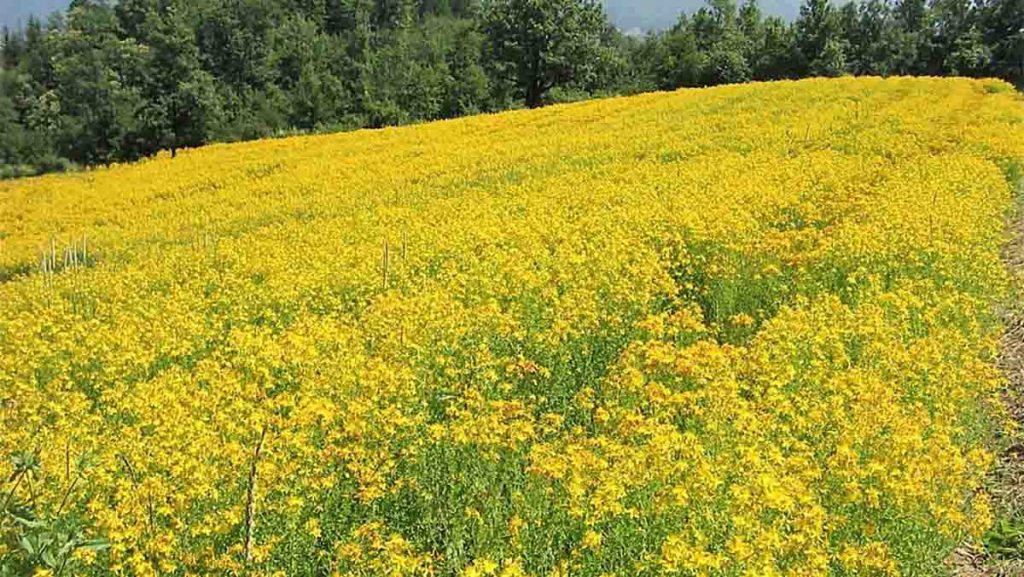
<point>386,265</point>
<point>250,496</point>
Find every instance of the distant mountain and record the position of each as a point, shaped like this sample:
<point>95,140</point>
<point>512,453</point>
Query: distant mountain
<point>643,15</point>
<point>629,15</point>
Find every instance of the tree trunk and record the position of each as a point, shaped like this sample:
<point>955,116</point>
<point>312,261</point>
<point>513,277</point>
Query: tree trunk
<point>534,86</point>
<point>533,96</point>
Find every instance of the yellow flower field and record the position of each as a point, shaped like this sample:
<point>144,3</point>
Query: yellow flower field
<point>741,331</point>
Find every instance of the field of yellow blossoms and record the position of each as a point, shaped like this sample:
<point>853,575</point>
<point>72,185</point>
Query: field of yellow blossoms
<point>742,331</point>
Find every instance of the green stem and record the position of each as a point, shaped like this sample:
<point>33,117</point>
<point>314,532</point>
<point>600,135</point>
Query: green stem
<point>17,481</point>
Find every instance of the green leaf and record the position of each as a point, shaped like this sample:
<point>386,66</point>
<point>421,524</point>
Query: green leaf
<point>28,523</point>
<point>27,545</point>
<point>49,559</point>
<point>95,544</point>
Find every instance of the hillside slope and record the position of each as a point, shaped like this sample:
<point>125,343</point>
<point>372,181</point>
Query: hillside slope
<point>741,330</point>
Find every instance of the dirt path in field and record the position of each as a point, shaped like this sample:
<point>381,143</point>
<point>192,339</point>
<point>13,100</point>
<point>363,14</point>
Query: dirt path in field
<point>1007,485</point>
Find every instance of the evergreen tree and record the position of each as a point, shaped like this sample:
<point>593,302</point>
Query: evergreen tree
<point>777,56</point>
<point>872,39</point>
<point>913,37</point>
<point>1004,35</point>
<point>819,38</point>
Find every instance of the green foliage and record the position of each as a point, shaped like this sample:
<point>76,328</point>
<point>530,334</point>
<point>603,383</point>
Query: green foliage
<point>819,34</point>
<point>537,45</point>
<point>1004,34</point>
<point>39,541</point>
<point>1006,539</point>
<point>116,81</point>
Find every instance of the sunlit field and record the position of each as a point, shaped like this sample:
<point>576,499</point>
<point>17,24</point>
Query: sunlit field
<point>742,331</point>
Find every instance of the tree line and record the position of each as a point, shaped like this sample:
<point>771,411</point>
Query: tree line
<point>107,82</point>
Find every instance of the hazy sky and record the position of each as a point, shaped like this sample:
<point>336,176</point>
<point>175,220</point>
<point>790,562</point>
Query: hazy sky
<point>14,12</point>
<point>630,15</point>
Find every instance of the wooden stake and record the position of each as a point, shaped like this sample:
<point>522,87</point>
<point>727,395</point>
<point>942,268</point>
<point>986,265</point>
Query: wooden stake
<point>250,496</point>
<point>387,264</point>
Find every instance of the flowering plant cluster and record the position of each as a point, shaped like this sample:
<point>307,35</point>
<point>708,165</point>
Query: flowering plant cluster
<point>741,331</point>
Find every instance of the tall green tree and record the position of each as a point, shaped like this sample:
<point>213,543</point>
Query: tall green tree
<point>871,38</point>
<point>680,60</point>
<point>913,37</point>
<point>181,103</point>
<point>819,38</point>
<point>234,39</point>
<point>301,60</point>
<point>12,46</point>
<point>94,86</point>
<point>38,56</point>
<point>1004,33</point>
<point>467,82</point>
<point>777,56</point>
<point>722,40</point>
<point>537,45</point>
